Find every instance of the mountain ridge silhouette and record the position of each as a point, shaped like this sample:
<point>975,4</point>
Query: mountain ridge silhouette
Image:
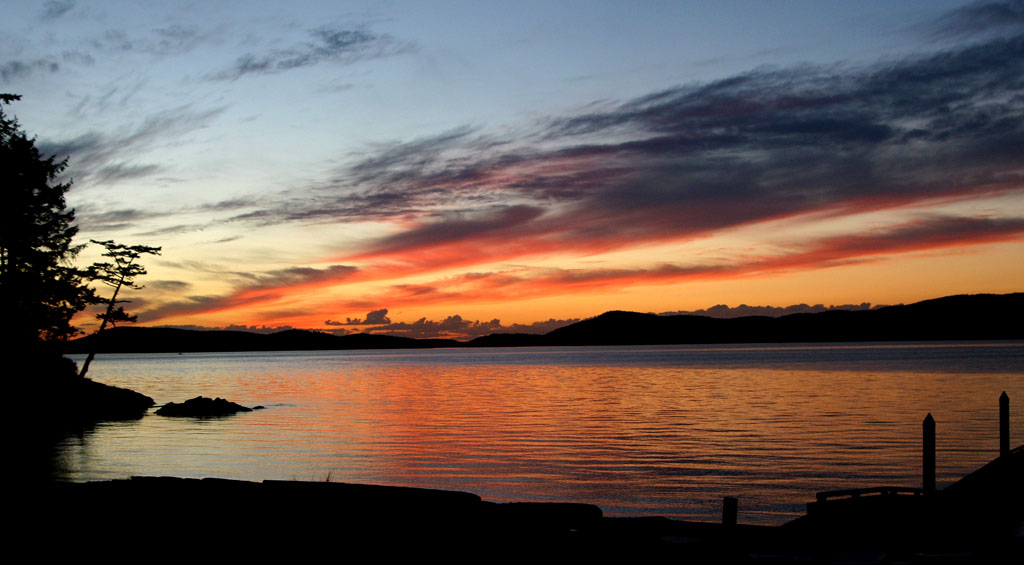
<point>958,317</point>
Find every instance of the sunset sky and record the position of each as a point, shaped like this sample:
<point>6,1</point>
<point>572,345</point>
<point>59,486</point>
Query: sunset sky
<point>459,168</point>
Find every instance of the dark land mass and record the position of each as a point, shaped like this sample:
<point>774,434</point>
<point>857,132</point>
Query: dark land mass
<point>976,520</point>
<point>975,317</point>
<point>51,403</point>
<point>171,340</point>
<point>963,317</point>
<point>70,401</point>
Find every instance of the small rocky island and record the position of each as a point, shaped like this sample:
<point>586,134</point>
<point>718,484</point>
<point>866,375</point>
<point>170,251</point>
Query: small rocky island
<point>202,407</point>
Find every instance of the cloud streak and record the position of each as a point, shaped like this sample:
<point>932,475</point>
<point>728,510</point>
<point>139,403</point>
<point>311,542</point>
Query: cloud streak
<point>334,45</point>
<point>250,289</point>
<point>982,17</point>
<point>927,233</point>
<point>690,161</point>
<point>56,8</point>
<point>171,40</point>
<point>12,70</point>
<point>98,157</point>
<point>91,219</point>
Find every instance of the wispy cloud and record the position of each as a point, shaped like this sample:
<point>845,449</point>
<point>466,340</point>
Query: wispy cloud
<point>250,288</point>
<point>54,9</point>
<point>169,285</point>
<point>982,17</point>
<point>294,276</point>
<point>690,161</point>
<point>107,157</point>
<point>91,219</point>
<point>175,229</point>
<point>19,69</point>
<point>170,40</point>
<point>121,171</point>
<point>335,45</point>
<point>159,42</point>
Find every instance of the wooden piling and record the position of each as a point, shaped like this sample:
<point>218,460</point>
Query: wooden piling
<point>928,462</point>
<point>1004,424</point>
<point>730,509</point>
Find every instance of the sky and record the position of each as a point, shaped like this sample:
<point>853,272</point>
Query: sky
<point>460,168</point>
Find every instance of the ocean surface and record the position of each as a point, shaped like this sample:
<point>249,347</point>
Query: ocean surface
<point>655,430</point>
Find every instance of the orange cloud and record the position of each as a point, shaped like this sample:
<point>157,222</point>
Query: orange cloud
<point>934,232</point>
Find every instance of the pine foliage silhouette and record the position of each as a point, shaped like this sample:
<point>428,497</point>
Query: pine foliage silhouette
<point>40,289</point>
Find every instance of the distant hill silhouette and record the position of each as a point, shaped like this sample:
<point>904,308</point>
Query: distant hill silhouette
<point>969,317</point>
<point>171,340</point>
<point>963,317</point>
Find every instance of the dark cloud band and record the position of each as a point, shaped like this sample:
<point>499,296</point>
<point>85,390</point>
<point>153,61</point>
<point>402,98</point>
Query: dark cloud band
<point>691,160</point>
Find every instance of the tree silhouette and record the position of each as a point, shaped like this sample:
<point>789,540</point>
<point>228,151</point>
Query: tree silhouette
<point>40,289</point>
<point>118,274</point>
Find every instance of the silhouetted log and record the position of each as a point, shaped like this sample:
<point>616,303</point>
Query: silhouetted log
<point>202,407</point>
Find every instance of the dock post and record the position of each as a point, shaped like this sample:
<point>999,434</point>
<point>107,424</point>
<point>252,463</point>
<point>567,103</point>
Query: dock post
<point>1004,424</point>
<point>730,508</point>
<point>928,463</point>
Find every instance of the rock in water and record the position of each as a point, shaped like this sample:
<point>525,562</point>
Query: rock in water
<point>202,407</point>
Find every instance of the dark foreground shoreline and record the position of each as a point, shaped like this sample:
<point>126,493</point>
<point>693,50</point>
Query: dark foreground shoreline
<point>978,519</point>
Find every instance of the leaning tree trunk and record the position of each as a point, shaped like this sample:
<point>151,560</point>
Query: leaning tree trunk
<point>103,325</point>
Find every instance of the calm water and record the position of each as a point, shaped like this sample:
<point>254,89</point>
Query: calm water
<point>636,430</point>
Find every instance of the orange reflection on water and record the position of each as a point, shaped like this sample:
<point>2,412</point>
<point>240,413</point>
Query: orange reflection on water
<point>671,438</point>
